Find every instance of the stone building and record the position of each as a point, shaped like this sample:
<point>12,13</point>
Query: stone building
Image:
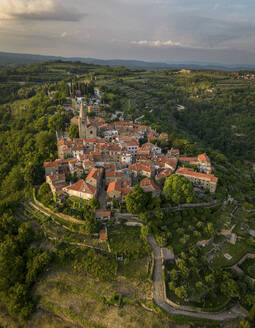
<point>81,189</point>
<point>86,131</point>
<point>206,181</point>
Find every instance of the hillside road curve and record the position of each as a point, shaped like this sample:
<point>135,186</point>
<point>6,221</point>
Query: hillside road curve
<point>160,299</point>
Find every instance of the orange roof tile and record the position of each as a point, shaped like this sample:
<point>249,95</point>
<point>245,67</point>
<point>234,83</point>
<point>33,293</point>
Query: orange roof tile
<point>113,174</point>
<point>150,184</point>
<point>51,164</point>
<point>203,158</point>
<point>94,173</point>
<point>82,186</point>
<point>56,177</point>
<point>114,186</point>
<point>164,174</point>
<point>190,172</point>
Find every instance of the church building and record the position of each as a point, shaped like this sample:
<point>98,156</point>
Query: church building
<point>86,131</point>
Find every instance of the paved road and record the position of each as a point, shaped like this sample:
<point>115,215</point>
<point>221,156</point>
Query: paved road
<point>160,297</point>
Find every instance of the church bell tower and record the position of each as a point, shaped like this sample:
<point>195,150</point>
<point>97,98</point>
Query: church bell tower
<point>82,122</point>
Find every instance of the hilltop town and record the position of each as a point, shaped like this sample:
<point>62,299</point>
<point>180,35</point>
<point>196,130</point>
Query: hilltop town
<point>108,159</point>
<point>127,204</point>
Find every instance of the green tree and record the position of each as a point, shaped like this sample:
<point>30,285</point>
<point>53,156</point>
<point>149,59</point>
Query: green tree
<point>13,182</point>
<point>8,225</point>
<point>45,194</point>
<point>90,224</point>
<point>145,231</point>
<point>138,200</point>
<point>11,264</point>
<point>56,122</point>
<point>178,189</point>
<point>173,275</point>
<point>245,324</point>
<point>229,286</point>
<point>181,292</point>
<point>46,144</point>
<point>25,234</point>
<point>33,172</point>
<point>184,270</point>
<point>210,279</point>
<point>19,304</point>
<point>36,264</point>
<point>93,203</point>
<point>73,131</point>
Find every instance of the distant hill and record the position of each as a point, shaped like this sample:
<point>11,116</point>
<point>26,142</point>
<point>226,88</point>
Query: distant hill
<point>14,59</point>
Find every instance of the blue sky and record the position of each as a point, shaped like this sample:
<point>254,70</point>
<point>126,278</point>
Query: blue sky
<point>153,30</point>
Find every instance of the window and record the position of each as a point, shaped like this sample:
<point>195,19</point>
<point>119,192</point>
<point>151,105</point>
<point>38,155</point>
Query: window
<point>91,132</point>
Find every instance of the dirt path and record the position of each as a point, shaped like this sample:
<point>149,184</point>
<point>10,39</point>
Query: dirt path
<point>159,295</point>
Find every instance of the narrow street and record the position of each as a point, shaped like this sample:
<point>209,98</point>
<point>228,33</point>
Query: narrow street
<point>102,196</point>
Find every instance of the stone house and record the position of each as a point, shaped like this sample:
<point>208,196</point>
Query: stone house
<point>206,181</point>
<point>56,182</point>
<point>95,177</point>
<point>148,185</point>
<point>118,190</point>
<point>162,175</point>
<point>82,190</point>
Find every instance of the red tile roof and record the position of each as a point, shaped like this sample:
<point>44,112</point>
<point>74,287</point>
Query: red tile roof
<point>172,162</point>
<point>203,158</point>
<point>164,174</point>
<point>141,167</point>
<point>114,186</point>
<point>51,164</point>
<point>131,144</point>
<point>148,145</point>
<point>78,148</point>
<point>113,174</point>
<point>94,173</point>
<point>82,186</point>
<point>56,177</point>
<point>149,185</point>
<point>73,160</point>
<point>163,135</point>
<point>60,185</point>
<point>143,150</point>
<point>190,172</point>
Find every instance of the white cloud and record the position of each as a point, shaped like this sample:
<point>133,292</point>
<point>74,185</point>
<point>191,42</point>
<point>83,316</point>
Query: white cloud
<point>37,10</point>
<point>157,43</point>
<point>10,8</point>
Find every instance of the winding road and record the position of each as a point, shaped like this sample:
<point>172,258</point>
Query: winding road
<point>159,295</point>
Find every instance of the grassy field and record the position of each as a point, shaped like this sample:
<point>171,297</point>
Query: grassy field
<point>237,251</point>
<point>82,299</point>
<point>127,241</point>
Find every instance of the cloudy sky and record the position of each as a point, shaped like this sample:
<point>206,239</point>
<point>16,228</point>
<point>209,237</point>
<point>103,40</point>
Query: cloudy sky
<point>220,31</point>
